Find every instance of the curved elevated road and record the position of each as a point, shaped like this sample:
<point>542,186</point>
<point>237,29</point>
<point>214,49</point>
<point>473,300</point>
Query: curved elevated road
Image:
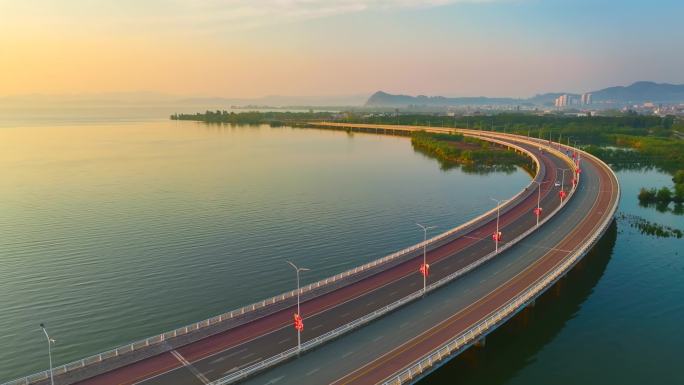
<point>374,360</point>
<point>388,347</point>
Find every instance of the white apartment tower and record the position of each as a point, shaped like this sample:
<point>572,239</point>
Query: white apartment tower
<point>562,101</point>
<point>586,98</point>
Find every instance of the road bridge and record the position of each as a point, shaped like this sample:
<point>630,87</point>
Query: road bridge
<point>472,289</point>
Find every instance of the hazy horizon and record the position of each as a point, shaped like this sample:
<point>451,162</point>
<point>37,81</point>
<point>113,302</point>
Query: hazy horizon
<point>123,97</point>
<point>249,49</point>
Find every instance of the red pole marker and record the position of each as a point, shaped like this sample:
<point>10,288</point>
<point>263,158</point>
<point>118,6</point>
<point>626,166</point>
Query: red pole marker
<point>497,236</point>
<point>562,194</point>
<point>579,170</point>
<point>425,269</point>
<point>537,211</point>
<point>298,323</point>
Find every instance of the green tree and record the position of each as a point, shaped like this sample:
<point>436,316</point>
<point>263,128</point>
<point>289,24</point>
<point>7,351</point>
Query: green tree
<point>664,195</point>
<point>646,195</point>
<point>679,193</point>
<point>678,177</point>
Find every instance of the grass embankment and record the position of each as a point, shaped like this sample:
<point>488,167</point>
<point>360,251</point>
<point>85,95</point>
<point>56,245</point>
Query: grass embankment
<point>471,154</point>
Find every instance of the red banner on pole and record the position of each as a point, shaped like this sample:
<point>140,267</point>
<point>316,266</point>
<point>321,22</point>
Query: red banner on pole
<point>537,211</point>
<point>425,269</point>
<point>497,236</point>
<point>562,194</point>
<point>298,323</point>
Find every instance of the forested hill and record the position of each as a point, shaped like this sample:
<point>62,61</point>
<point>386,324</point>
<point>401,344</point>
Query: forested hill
<point>384,99</point>
<point>638,92</point>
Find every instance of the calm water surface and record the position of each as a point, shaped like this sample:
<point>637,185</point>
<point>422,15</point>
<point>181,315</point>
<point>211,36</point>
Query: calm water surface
<point>112,232</point>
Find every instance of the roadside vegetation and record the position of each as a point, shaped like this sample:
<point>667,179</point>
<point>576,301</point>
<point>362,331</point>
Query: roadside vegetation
<point>473,155</point>
<point>625,141</point>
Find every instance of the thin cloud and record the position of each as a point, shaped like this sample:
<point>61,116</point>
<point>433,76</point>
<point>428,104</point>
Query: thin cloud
<point>191,16</point>
<point>254,13</point>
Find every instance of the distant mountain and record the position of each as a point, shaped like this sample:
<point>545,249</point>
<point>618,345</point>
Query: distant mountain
<point>383,99</point>
<point>638,92</point>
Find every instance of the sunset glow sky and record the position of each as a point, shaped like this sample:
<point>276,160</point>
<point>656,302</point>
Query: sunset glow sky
<point>243,48</point>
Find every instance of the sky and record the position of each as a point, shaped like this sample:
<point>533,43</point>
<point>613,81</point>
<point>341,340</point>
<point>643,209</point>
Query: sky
<point>253,48</point>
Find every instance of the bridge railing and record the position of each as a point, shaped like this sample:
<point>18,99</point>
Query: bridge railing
<point>333,334</point>
<point>484,327</point>
<point>157,339</point>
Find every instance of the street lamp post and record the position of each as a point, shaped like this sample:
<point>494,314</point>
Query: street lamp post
<point>50,341</point>
<point>575,151</point>
<point>538,210</point>
<point>568,147</point>
<point>579,156</point>
<point>425,267</point>
<point>299,331</point>
<point>497,234</point>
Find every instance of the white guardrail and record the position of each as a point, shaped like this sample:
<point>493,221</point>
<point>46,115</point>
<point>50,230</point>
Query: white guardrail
<point>477,331</point>
<point>333,334</point>
<point>160,338</point>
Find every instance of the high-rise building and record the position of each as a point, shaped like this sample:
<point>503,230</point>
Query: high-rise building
<point>562,101</point>
<point>586,98</point>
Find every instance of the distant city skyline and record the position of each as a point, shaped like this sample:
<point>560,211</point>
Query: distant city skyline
<point>249,49</point>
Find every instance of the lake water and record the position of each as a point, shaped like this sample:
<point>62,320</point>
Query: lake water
<point>111,232</point>
<point>115,231</point>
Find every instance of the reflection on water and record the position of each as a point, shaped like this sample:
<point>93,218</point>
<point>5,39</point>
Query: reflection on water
<point>514,345</point>
<point>661,207</point>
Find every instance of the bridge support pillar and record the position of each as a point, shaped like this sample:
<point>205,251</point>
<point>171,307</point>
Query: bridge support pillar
<point>532,303</point>
<point>481,342</point>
